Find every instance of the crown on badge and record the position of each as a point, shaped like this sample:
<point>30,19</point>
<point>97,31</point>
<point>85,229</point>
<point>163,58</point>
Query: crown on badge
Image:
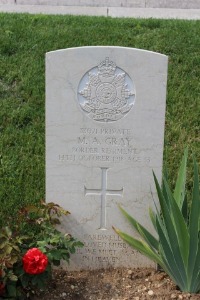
<point>107,67</point>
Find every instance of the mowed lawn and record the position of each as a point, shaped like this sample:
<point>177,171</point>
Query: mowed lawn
<point>24,40</point>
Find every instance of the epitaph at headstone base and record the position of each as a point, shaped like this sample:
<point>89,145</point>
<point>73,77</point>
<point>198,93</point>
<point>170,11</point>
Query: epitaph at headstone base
<point>105,113</point>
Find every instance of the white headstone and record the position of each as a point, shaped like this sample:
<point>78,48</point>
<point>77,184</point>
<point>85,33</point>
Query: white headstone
<point>105,115</point>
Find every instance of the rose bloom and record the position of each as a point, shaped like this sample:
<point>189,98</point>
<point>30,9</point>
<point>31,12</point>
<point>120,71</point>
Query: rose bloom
<point>34,261</point>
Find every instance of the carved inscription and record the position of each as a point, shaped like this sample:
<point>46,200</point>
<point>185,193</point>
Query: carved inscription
<point>106,93</point>
<point>106,145</point>
<point>100,248</point>
<point>103,192</point>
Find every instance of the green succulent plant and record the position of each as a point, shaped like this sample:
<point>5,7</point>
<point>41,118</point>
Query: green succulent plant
<point>177,223</point>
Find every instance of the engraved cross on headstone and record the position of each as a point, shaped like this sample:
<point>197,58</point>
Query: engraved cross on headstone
<point>103,192</point>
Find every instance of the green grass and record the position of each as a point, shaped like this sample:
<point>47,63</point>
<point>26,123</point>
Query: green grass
<point>24,40</point>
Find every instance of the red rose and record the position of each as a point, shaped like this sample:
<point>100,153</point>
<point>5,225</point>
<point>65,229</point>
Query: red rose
<point>34,261</point>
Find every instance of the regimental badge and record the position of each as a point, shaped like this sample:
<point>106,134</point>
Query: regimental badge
<point>106,93</point>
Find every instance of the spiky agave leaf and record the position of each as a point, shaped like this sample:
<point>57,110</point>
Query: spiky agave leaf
<point>178,249</point>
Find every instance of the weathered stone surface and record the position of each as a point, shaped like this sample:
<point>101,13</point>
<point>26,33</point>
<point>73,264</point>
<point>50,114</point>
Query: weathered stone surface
<point>173,4</point>
<point>155,13</point>
<point>101,3</point>
<point>7,2</point>
<point>179,4</point>
<point>105,114</point>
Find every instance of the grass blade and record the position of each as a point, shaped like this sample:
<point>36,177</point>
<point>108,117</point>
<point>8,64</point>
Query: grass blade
<point>194,257</point>
<point>171,232</point>
<point>185,209</point>
<point>149,238</point>
<point>195,280</point>
<point>168,257</point>
<point>179,225</point>
<point>153,217</point>
<point>141,246</point>
<point>179,192</point>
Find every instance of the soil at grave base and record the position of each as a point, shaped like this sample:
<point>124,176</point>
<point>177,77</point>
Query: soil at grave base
<point>113,284</point>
